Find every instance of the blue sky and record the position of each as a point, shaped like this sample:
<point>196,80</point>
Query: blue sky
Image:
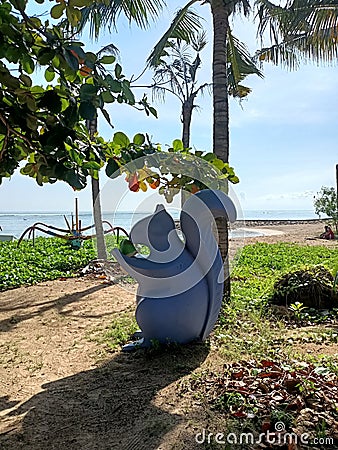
<point>283,138</point>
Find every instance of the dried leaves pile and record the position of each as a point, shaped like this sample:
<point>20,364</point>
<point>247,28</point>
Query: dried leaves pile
<point>280,398</point>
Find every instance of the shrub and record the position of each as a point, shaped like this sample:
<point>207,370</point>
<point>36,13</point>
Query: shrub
<point>312,287</point>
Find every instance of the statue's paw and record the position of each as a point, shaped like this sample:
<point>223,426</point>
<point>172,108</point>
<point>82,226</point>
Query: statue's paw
<point>132,346</point>
<point>138,334</point>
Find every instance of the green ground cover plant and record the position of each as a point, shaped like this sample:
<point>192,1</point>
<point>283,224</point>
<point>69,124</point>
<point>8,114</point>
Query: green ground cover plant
<point>48,259</point>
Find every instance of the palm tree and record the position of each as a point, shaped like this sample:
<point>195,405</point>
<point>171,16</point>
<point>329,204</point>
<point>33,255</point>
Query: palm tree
<point>221,11</point>
<point>178,76</point>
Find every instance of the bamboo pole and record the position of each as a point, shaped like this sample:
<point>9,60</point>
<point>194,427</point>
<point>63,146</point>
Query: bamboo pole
<point>77,215</point>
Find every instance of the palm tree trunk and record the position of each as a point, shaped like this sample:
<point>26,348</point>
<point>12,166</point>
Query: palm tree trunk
<point>96,201</point>
<point>187,108</point>
<point>220,14</point>
<point>100,242</point>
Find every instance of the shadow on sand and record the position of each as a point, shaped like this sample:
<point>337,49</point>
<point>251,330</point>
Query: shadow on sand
<point>37,309</point>
<point>109,407</point>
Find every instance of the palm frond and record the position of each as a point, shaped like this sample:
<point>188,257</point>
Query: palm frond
<point>280,54</point>
<point>240,64</point>
<point>105,14</point>
<point>242,7</point>
<point>199,41</point>
<point>110,48</point>
<point>206,87</point>
<point>185,25</point>
<point>193,67</point>
<point>166,74</point>
<point>301,30</point>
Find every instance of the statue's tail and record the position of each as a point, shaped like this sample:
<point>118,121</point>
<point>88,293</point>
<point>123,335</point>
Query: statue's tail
<point>197,217</point>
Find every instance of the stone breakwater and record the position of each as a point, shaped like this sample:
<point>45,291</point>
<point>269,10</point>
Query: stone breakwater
<point>272,222</point>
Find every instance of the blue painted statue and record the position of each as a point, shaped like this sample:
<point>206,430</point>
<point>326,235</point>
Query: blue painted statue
<point>181,282</point>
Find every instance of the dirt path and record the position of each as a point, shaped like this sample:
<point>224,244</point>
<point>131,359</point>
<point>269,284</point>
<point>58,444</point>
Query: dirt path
<point>55,391</point>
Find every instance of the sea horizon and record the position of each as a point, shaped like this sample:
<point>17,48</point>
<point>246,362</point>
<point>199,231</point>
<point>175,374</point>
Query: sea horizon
<point>16,222</point>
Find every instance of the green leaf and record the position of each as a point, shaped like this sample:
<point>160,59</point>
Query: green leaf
<point>26,80</point>
<point>128,93</point>
<point>178,145</point>
<point>91,165</point>
<point>118,71</point>
<point>88,91</point>
<point>218,163</point>
<point>57,10</point>
<point>27,64</point>
<point>90,59</point>
<point>32,122</point>
<point>139,139</point>
<point>112,169</point>
<point>74,179</point>
<point>108,59</point>
<point>209,157</point>
<point>73,16</point>
<point>74,154</point>
<point>49,74</point>
<point>87,110</point>
<point>121,139</point>
<point>153,111</point>
<point>80,3</point>
<point>115,86</point>
<point>107,97</point>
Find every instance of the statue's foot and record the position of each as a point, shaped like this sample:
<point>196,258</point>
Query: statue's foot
<point>132,346</point>
<point>138,334</point>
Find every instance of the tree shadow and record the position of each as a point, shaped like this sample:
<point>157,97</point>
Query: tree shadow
<point>40,308</point>
<point>109,407</point>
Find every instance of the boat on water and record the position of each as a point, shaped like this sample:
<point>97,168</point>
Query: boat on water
<point>8,237</point>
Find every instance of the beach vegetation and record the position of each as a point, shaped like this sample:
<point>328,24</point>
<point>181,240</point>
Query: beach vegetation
<point>326,202</point>
<point>275,368</point>
<point>47,259</point>
<point>311,287</point>
<point>249,324</point>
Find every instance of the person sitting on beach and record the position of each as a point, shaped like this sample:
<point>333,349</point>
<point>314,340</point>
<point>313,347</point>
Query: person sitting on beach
<point>328,233</point>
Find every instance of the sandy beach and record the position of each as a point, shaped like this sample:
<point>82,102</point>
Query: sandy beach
<point>301,232</point>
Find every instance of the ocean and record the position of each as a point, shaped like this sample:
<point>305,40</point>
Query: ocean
<point>15,223</point>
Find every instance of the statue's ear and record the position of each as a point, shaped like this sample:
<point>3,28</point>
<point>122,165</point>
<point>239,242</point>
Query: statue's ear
<point>153,229</point>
